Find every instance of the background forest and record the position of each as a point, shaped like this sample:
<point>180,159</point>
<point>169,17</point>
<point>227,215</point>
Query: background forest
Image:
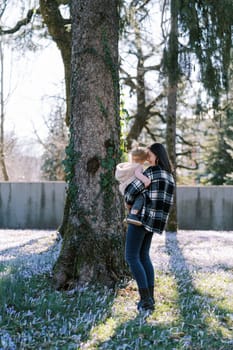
<point>201,66</point>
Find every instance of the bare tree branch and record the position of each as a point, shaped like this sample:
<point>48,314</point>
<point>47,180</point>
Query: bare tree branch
<point>184,141</point>
<point>128,80</point>
<point>149,132</point>
<point>155,67</point>
<point>2,7</point>
<point>143,4</point>
<point>159,114</point>
<point>187,167</point>
<point>20,23</point>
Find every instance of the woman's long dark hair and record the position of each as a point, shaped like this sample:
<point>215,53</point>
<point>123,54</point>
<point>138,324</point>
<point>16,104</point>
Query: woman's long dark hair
<point>162,156</point>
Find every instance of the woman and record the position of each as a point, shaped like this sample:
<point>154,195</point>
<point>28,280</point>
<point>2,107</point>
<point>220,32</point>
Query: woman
<point>158,198</point>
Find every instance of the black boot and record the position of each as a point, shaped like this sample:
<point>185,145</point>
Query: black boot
<point>146,303</point>
<point>151,290</point>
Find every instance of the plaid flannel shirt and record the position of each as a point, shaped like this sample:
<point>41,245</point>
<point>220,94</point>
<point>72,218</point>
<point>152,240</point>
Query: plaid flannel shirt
<point>158,198</point>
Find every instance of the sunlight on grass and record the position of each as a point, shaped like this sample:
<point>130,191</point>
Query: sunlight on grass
<point>216,326</point>
<point>218,285</point>
<point>123,309</point>
<point>100,334</point>
<point>166,296</point>
<point>218,288</point>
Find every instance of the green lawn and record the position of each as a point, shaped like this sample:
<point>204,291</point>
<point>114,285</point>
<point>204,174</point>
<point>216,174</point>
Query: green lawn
<point>193,310</point>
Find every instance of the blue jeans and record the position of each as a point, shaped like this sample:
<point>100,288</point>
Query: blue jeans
<point>138,203</point>
<point>138,242</point>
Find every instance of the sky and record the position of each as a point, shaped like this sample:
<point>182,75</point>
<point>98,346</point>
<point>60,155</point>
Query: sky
<point>27,79</point>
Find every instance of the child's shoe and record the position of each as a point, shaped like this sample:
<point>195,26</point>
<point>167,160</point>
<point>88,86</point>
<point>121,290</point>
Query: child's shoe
<point>133,219</point>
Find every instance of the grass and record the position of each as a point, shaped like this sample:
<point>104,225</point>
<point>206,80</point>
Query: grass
<point>193,310</point>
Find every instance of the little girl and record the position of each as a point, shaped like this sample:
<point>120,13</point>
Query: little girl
<point>126,173</point>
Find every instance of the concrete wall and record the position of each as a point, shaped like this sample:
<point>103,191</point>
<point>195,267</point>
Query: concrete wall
<point>205,207</point>
<point>31,205</point>
<point>40,206</point>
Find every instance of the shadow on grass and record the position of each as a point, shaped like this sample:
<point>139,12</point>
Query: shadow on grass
<point>11,256</point>
<point>16,248</point>
<point>184,317</point>
<point>35,316</point>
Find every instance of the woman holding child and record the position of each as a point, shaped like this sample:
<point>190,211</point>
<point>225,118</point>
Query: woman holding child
<point>152,217</point>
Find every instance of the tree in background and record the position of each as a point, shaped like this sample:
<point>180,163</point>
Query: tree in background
<point>93,247</point>
<point>206,47</point>
<point>171,70</point>
<point>219,168</point>
<point>146,95</point>
<point>14,165</point>
<point>202,31</point>
<point>2,119</point>
<point>206,27</point>
<point>7,146</point>
<point>55,143</point>
<point>20,166</point>
<point>59,27</point>
<point>219,162</point>
<point>228,180</point>
<point>138,72</point>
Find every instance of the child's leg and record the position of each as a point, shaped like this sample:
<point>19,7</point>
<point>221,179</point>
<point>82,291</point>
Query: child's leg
<point>135,209</point>
<point>137,205</point>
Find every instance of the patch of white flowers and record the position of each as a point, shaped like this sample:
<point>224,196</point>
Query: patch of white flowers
<point>31,252</point>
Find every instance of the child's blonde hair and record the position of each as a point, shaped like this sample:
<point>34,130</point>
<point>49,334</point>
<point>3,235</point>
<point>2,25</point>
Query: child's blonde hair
<point>139,152</point>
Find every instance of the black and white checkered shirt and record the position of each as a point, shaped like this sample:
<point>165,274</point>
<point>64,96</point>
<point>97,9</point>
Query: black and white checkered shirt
<point>158,198</point>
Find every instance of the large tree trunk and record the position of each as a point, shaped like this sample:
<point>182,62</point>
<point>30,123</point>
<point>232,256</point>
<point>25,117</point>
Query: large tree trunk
<point>93,245</point>
<point>173,76</point>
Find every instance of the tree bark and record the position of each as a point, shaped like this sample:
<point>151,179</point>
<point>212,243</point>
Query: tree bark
<point>93,244</point>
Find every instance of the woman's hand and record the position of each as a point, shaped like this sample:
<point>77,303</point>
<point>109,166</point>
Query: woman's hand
<point>147,182</point>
